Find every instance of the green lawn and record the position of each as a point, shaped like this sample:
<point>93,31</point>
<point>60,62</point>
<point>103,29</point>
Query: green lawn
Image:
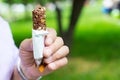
<point>81,69</point>
<point>95,50</point>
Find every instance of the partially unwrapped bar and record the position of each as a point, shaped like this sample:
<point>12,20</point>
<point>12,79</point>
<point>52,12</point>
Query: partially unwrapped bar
<point>38,33</point>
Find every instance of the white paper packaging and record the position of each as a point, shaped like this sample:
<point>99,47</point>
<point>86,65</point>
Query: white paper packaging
<point>38,44</point>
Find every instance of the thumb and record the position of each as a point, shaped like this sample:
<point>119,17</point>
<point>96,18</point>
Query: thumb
<point>26,53</point>
<point>26,45</point>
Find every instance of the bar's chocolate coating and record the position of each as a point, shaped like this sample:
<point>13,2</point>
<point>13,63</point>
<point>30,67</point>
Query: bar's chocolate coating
<point>39,18</point>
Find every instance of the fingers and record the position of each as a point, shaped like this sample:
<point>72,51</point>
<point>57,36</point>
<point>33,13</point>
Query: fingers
<point>50,38</point>
<point>62,52</point>
<point>57,64</point>
<point>58,43</point>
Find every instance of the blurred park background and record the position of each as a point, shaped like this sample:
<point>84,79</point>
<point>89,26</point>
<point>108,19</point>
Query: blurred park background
<point>90,29</point>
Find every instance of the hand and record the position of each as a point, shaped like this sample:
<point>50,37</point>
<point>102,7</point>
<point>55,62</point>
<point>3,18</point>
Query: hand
<point>54,56</point>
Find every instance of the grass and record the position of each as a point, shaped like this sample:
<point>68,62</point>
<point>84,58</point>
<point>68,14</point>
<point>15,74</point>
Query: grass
<point>82,69</point>
<point>94,54</point>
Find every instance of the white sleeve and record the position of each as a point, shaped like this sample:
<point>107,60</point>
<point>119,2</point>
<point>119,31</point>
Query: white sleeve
<point>8,51</point>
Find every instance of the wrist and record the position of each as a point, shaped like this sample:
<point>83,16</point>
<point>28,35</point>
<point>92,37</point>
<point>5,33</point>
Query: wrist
<point>15,75</point>
<point>27,73</point>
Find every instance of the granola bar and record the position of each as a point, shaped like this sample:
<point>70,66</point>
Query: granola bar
<point>39,18</point>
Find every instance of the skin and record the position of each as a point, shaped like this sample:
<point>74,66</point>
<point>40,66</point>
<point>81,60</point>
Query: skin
<point>55,53</point>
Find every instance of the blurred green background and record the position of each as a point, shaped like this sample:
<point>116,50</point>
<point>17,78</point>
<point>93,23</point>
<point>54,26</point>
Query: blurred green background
<point>95,48</point>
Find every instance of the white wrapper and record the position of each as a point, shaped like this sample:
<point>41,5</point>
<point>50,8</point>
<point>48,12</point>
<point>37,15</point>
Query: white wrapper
<point>38,44</point>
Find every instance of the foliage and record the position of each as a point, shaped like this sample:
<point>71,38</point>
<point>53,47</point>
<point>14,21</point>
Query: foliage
<point>43,2</point>
<point>18,1</point>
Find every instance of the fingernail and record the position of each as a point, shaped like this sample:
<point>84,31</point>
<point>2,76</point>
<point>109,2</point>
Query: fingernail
<point>52,66</point>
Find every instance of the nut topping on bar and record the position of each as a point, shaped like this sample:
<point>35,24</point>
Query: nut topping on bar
<point>39,22</point>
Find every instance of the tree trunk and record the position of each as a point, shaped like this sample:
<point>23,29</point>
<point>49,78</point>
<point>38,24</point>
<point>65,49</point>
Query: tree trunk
<point>76,11</point>
<point>59,18</point>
